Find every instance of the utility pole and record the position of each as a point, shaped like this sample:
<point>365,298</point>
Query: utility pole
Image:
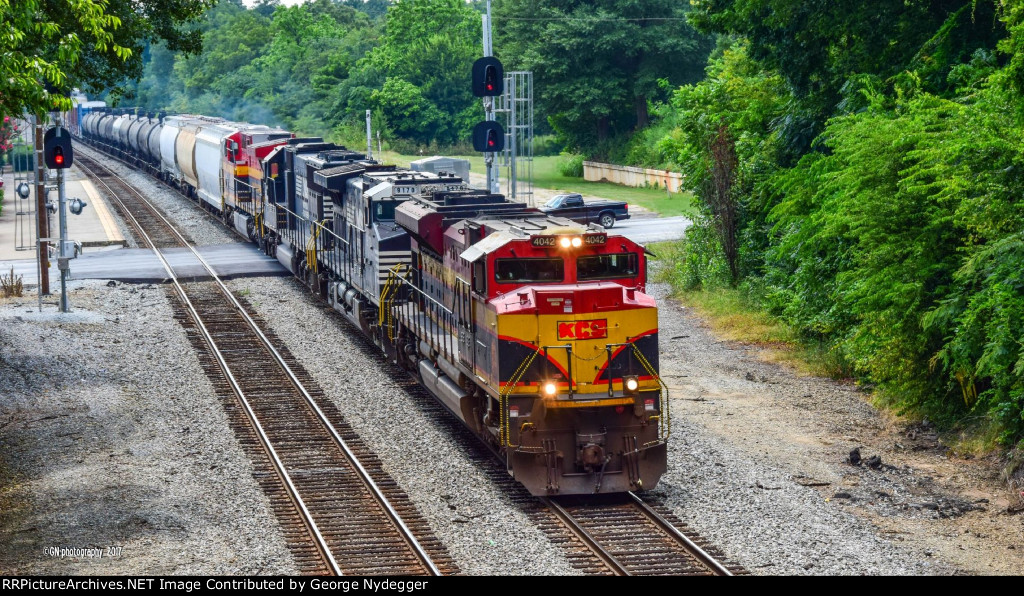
<point>42,221</point>
<point>492,172</point>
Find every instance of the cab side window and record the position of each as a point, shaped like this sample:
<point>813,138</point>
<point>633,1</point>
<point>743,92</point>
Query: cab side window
<point>529,270</point>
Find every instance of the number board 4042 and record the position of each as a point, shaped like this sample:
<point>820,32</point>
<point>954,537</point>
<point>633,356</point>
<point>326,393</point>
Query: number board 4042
<point>553,241</point>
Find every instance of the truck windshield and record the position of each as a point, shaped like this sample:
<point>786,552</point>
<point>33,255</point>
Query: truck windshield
<point>612,266</point>
<point>525,270</point>
<point>555,201</point>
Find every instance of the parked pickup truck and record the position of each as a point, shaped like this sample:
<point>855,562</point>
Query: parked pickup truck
<point>573,207</point>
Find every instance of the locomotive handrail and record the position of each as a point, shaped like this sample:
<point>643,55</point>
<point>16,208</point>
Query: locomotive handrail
<point>666,428</point>
<point>387,294</point>
<point>311,247</point>
<point>505,437</point>
<point>446,327</point>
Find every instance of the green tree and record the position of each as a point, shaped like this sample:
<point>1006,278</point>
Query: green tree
<point>429,45</point>
<point>313,48</point>
<point>50,47</point>
<point>738,100</point>
<point>375,9</point>
<point>817,48</point>
<point>597,64</point>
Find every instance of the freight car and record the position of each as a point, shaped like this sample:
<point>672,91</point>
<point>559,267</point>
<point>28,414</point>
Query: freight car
<point>535,331</point>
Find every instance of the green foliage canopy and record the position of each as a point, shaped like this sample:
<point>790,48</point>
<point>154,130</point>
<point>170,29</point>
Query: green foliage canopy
<point>425,57</point>
<point>895,236</point>
<point>47,48</point>
<point>597,65</point>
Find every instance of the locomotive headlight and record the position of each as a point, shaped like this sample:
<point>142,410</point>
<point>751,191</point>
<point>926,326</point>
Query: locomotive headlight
<point>631,384</point>
<point>565,242</point>
<point>550,389</point>
<point>577,242</point>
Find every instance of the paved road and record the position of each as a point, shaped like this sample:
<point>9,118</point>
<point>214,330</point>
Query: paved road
<point>645,230</point>
<point>643,227</point>
<point>141,264</point>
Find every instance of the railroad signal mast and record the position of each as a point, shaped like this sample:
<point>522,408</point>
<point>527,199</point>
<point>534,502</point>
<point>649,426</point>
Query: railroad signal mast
<point>488,83</point>
<point>59,155</point>
<point>510,94</point>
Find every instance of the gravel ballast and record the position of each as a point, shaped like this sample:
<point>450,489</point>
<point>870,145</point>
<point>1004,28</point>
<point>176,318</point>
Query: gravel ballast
<point>111,436</point>
<point>481,527</point>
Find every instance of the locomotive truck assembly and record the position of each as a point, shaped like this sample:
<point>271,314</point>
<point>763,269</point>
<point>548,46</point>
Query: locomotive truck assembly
<point>535,331</point>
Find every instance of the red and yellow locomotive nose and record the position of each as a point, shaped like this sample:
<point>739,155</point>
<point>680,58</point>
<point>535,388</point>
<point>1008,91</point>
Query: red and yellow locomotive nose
<point>571,341</point>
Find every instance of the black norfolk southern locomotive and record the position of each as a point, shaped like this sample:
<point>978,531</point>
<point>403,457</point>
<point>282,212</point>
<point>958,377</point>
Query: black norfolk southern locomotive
<point>533,330</point>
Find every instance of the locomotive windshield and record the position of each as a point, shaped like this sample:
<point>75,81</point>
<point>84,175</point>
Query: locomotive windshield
<point>384,210</point>
<point>606,266</point>
<point>523,270</point>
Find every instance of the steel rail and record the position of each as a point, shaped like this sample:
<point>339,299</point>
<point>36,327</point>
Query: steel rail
<point>673,532</point>
<point>367,480</point>
<point>608,559</point>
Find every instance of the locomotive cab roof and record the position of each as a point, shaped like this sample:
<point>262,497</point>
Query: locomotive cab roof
<point>497,231</point>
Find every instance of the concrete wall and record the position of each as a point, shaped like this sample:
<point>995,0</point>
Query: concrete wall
<point>631,176</point>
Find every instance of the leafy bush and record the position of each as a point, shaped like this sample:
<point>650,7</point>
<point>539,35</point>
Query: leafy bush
<point>895,244</point>
<point>571,166</point>
<point>694,263</point>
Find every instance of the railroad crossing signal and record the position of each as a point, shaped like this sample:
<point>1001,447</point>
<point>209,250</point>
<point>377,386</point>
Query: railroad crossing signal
<point>57,152</point>
<point>488,137</point>
<point>488,77</point>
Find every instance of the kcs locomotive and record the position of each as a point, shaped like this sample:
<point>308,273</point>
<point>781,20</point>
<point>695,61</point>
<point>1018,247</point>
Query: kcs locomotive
<point>535,331</point>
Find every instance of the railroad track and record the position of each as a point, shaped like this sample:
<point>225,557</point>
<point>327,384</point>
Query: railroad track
<point>631,537</point>
<point>339,511</point>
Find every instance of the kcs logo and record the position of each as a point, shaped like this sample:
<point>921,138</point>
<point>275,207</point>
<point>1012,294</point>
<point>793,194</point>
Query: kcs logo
<point>595,329</point>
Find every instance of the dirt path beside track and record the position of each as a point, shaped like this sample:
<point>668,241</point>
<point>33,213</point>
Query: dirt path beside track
<point>919,497</point>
